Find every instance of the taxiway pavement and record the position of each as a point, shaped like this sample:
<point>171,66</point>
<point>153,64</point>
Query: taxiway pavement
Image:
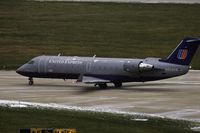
<point>173,98</point>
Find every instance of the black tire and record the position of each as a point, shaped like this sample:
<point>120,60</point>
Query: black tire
<point>118,84</point>
<point>102,85</point>
<point>30,82</point>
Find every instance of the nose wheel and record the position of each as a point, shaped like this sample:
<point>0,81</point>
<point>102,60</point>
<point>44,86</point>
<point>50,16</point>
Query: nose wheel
<point>30,81</point>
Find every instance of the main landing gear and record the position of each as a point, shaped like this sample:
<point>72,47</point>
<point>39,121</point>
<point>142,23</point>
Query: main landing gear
<point>30,81</point>
<point>101,85</point>
<point>104,85</point>
<point>118,84</point>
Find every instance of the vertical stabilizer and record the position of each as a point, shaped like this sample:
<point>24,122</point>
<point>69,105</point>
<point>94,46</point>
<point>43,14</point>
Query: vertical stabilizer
<point>184,52</point>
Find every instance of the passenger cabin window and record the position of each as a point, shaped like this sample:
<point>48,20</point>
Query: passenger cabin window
<point>31,62</point>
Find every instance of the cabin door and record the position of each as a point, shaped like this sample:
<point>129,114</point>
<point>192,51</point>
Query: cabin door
<point>42,65</point>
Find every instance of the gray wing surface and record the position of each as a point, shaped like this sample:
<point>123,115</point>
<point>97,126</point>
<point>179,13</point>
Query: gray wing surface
<point>90,79</point>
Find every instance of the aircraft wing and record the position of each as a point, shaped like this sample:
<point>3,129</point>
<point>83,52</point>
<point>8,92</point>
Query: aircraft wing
<point>91,79</point>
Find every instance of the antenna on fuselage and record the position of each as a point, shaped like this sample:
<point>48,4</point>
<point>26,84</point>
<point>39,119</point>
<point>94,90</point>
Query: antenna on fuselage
<point>59,54</point>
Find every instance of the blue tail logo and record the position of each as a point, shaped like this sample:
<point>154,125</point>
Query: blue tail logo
<point>182,54</point>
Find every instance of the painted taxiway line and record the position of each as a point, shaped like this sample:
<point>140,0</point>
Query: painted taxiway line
<point>21,104</point>
<point>144,116</point>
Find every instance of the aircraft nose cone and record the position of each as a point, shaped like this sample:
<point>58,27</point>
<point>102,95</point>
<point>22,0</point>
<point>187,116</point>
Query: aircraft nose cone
<point>20,70</point>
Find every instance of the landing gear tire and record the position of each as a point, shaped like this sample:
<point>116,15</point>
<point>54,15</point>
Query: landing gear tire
<point>118,84</point>
<point>30,81</point>
<point>102,85</point>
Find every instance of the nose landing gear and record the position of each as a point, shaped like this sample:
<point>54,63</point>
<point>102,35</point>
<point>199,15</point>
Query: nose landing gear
<point>30,81</point>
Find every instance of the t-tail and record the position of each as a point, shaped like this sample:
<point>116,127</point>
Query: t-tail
<point>184,52</point>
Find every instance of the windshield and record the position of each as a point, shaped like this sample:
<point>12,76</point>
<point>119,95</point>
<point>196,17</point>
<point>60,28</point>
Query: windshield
<point>31,62</point>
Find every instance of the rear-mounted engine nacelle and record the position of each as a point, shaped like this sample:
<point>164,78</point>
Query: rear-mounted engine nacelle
<point>145,67</point>
<point>137,66</point>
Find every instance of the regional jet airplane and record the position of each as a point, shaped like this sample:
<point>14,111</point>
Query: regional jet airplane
<point>100,71</point>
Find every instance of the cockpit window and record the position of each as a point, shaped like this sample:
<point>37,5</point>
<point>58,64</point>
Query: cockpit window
<point>31,62</point>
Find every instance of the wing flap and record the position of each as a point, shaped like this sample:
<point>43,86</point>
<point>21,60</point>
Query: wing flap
<point>91,79</point>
